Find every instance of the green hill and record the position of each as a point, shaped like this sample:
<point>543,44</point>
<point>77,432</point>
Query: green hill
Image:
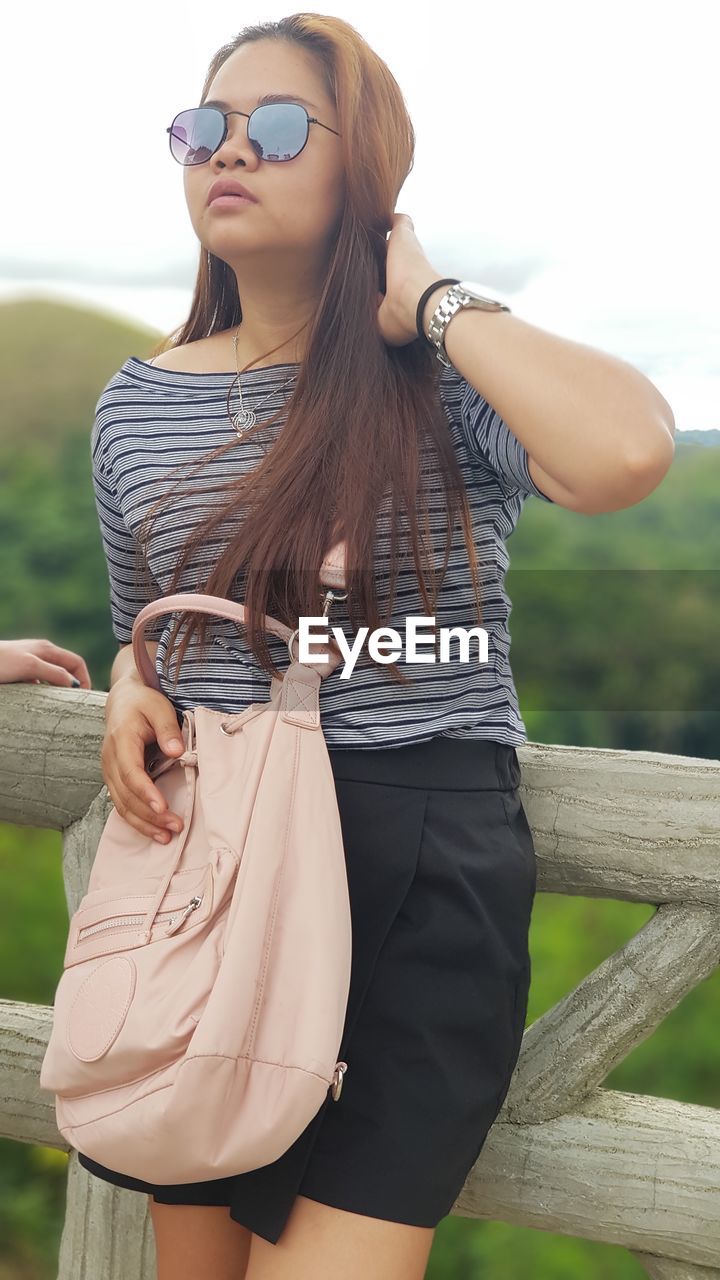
<point>55,358</point>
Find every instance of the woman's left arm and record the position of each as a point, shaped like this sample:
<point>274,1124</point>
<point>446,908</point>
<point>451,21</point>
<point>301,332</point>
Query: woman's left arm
<point>598,433</point>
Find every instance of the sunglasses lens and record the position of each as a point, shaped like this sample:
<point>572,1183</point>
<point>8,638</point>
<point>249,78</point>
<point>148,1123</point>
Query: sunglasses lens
<point>278,131</point>
<point>195,134</point>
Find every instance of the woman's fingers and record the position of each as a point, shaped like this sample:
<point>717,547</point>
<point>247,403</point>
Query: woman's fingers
<point>34,660</point>
<point>63,660</point>
<point>131,789</point>
<point>52,674</point>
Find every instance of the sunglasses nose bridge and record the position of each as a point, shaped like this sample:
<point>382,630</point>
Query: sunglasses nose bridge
<point>236,131</point>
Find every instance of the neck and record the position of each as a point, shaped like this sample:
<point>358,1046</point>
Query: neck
<point>277,314</point>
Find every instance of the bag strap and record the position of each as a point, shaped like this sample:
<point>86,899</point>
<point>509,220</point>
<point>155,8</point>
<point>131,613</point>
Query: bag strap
<point>332,574</point>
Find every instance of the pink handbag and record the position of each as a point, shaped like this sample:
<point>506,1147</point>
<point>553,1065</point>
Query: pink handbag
<point>200,1012</point>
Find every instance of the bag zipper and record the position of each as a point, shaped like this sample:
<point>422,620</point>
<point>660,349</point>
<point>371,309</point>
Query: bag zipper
<point>123,922</point>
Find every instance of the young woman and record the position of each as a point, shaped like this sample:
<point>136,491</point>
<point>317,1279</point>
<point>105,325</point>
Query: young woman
<point>359,428</point>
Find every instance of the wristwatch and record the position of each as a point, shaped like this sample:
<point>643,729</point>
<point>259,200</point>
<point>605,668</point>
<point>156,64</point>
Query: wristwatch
<point>466,293</point>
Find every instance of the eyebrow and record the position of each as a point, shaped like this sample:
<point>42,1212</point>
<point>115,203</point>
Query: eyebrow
<point>265,100</point>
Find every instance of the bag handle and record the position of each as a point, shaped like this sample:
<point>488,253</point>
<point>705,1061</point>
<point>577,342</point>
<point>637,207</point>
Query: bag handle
<point>332,574</point>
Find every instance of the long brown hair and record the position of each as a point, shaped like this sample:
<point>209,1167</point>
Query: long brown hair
<point>359,408</point>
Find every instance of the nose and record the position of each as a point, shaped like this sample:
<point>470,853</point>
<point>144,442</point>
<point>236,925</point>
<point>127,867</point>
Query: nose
<point>237,144</point>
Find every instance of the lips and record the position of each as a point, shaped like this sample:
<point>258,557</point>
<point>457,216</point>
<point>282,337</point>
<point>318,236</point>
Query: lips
<point>228,187</point>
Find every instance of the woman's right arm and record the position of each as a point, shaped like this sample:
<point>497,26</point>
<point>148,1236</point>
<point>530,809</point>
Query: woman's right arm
<point>124,663</point>
<point>136,715</point>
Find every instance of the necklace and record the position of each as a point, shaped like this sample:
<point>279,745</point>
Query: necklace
<point>244,419</point>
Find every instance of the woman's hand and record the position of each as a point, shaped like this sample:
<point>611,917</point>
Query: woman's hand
<point>407,273</point>
<point>30,661</point>
<point>136,715</point>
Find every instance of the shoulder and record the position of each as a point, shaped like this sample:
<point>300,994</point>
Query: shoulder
<point>204,355</point>
<point>184,357</point>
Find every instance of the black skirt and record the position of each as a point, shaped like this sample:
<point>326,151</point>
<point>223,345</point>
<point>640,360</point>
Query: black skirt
<point>442,876</point>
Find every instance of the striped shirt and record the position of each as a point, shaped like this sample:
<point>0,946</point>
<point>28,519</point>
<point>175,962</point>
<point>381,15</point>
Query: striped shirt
<point>150,420</point>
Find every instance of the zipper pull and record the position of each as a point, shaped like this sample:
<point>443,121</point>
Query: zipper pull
<point>192,905</point>
<point>336,1083</point>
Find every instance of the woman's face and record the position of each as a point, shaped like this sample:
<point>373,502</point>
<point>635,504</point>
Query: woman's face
<point>298,200</point>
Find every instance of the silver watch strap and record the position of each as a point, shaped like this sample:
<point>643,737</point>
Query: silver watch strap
<point>453,300</point>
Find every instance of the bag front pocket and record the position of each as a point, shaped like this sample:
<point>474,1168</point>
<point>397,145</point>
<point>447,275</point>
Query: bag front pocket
<point>118,922</point>
<point>173,918</point>
<point>110,920</point>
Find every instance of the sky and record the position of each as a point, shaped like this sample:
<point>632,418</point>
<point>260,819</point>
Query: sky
<point>566,155</point>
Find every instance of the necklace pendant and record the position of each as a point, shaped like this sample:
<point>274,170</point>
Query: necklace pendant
<point>243,420</point>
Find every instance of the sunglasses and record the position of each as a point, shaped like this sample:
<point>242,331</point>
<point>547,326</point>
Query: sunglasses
<point>277,131</point>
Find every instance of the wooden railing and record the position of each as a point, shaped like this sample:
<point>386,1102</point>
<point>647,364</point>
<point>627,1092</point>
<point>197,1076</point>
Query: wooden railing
<point>565,1154</point>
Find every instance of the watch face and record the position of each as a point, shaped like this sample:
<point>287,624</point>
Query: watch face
<point>481,290</point>
<point>486,296</point>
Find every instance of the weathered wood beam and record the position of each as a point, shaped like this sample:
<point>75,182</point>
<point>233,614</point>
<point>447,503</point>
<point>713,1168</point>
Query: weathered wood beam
<point>669,1269</point>
<point>640,826</point>
<point>50,741</point>
<point>624,1168</point>
<point>107,1234</point>
<point>27,1112</point>
<point>573,1047</point>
